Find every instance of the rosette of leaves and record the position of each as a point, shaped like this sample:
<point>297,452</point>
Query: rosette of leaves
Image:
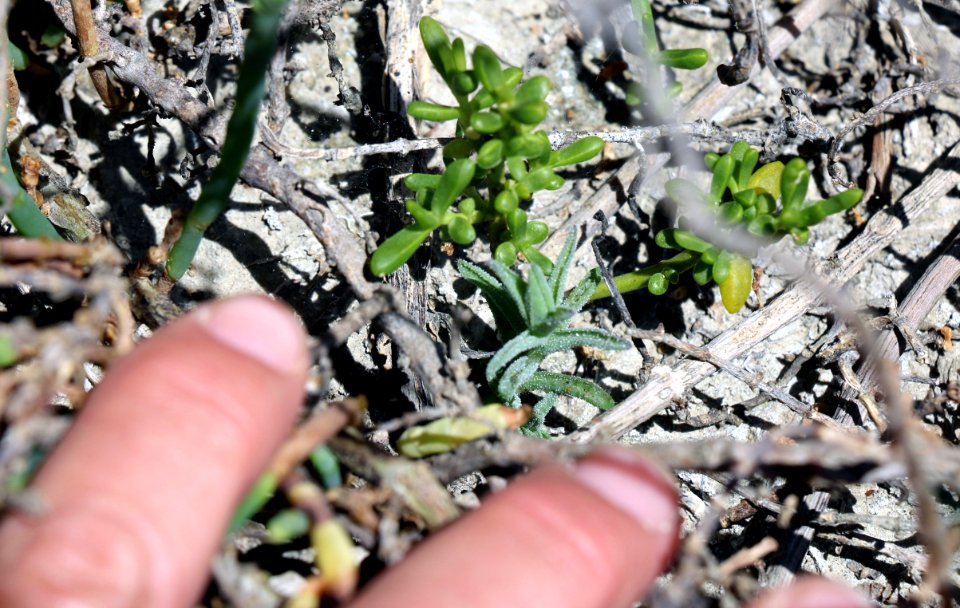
<point>496,161</point>
<point>639,38</point>
<point>532,318</point>
<point>740,197</point>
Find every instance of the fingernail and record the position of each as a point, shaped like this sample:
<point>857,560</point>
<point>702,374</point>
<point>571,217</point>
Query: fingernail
<point>260,329</point>
<point>633,485</point>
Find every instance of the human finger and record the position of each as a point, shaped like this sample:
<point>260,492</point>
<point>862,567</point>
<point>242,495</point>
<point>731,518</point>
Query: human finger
<point>139,492</point>
<point>811,592</point>
<point>592,535</point>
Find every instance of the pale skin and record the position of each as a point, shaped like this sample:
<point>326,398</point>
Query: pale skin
<point>140,490</point>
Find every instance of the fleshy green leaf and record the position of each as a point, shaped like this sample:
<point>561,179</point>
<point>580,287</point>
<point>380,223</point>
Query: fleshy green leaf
<point>487,122</point>
<point>486,65</point>
<point>722,172</point>
<point>424,218</point>
<point>393,252</point>
<point>676,238</point>
<point>528,146</point>
<point>721,268</point>
<point>793,184</point>
<point>421,181</point>
<point>425,110</point>
<point>578,152</point>
<point>746,167</point>
<point>531,113</point>
<point>436,42</point>
<point>458,148</point>
<point>461,230</point>
<point>453,182</point>
<point>542,179</point>
<point>735,288</point>
<point>534,89</point>
<point>490,154</point>
<point>767,179</point>
<point>683,59</point>
<point>657,284</point>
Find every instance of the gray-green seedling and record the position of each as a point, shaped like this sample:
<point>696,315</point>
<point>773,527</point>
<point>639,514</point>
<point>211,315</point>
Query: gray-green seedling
<point>740,197</point>
<point>532,318</point>
<point>496,161</point>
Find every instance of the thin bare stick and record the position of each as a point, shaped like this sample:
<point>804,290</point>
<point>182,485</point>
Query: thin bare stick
<point>871,115</point>
<point>747,557</point>
<point>631,135</point>
<point>87,37</point>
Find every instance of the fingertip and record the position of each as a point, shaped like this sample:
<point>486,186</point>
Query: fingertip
<point>638,488</point>
<point>811,592</point>
<point>595,535</point>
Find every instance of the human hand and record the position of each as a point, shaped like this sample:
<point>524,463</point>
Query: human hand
<point>140,490</point>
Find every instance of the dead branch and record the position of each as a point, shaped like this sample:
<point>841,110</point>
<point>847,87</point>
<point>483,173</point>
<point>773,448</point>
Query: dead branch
<point>872,114</point>
<point>699,129</point>
<point>86,33</point>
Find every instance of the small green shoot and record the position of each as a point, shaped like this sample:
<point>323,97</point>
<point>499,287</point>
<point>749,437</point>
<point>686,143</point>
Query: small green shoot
<point>640,38</point>
<point>497,160</point>
<point>532,316</point>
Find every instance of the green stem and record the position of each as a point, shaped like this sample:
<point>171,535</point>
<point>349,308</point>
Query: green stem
<point>258,51</point>
<point>23,212</point>
<point>632,281</point>
<point>643,12</point>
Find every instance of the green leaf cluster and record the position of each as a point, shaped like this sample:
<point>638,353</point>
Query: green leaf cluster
<point>532,318</point>
<point>496,161</point>
<point>744,196</point>
<point>639,38</point>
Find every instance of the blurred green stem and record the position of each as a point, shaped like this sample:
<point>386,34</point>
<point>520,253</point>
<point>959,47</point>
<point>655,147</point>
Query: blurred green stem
<point>258,51</point>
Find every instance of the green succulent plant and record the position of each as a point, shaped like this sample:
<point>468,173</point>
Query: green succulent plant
<point>743,197</point>
<point>639,38</point>
<point>532,318</point>
<point>496,161</point>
